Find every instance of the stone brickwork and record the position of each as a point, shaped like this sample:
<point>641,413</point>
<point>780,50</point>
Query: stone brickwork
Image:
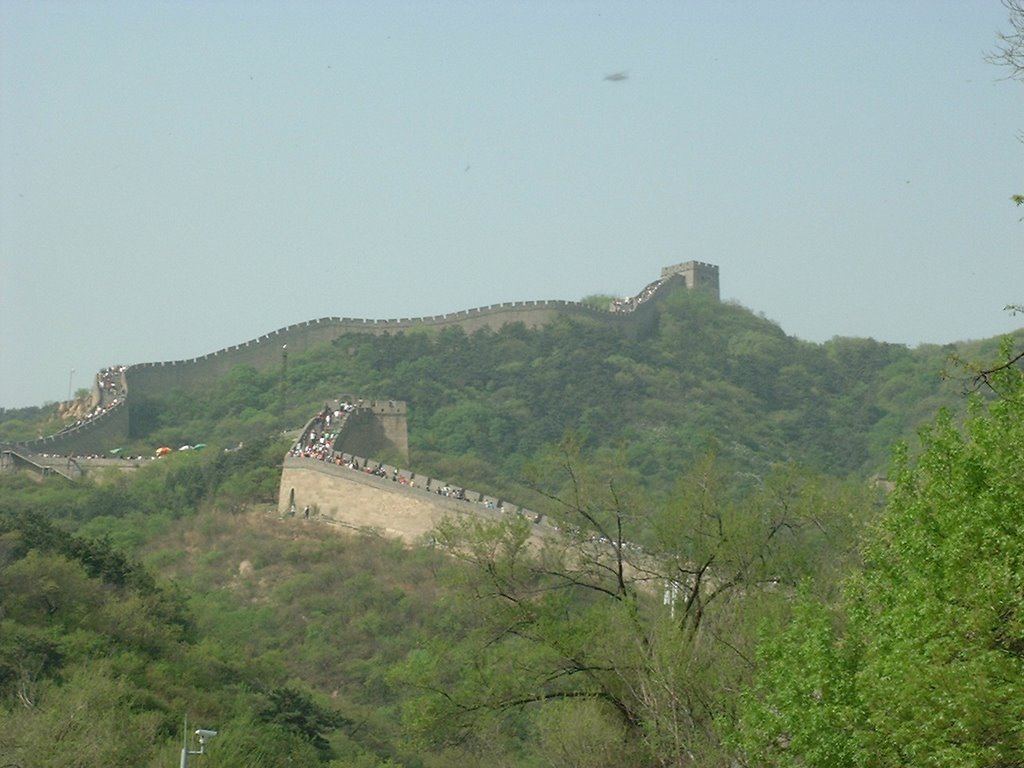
<point>268,351</point>
<point>39,465</point>
<point>377,426</point>
<point>698,275</point>
<point>147,381</point>
<point>363,501</point>
<point>98,435</point>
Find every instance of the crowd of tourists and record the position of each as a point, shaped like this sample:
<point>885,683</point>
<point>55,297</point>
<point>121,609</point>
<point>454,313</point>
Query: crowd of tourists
<point>110,381</point>
<point>402,477</point>
<point>317,440</point>
<point>632,302</point>
<point>93,413</point>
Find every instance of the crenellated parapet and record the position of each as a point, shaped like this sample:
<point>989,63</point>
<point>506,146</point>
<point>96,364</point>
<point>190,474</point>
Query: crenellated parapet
<point>268,351</point>
<point>143,381</point>
<point>364,495</point>
<point>699,276</point>
<point>356,425</point>
<point>101,433</point>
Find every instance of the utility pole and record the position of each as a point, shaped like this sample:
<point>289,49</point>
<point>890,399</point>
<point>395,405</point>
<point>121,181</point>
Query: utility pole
<point>284,378</point>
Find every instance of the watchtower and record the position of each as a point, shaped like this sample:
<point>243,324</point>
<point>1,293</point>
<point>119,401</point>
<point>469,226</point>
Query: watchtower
<point>698,275</point>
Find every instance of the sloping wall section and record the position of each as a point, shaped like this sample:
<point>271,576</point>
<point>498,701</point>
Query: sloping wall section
<point>154,380</point>
<point>395,504</point>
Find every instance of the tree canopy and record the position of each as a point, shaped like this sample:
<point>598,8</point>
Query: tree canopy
<point>921,660</point>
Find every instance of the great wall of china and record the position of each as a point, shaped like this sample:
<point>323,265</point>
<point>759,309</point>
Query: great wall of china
<point>337,492</point>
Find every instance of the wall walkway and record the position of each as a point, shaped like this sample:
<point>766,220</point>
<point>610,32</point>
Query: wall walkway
<point>362,500</point>
<point>392,501</point>
<point>137,383</point>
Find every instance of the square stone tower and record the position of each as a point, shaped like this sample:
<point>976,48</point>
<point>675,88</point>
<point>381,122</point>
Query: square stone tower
<point>699,276</point>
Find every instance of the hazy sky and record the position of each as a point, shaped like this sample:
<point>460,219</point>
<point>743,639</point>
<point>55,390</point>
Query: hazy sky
<point>177,177</point>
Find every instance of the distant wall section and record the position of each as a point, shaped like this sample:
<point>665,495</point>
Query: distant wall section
<point>146,381</point>
<point>699,276</point>
<point>374,429</point>
<point>98,435</point>
<point>363,501</point>
<point>270,350</point>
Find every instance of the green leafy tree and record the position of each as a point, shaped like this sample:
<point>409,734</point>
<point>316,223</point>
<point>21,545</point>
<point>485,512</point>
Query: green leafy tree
<point>631,620</point>
<point>252,743</point>
<point>922,661</point>
<point>295,711</point>
<point>805,709</point>
<point>92,717</point>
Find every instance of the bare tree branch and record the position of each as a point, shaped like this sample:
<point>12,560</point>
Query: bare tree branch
<point>1009,50</point>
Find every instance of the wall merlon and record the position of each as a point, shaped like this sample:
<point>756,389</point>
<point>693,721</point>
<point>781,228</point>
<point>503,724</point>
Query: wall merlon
<point>156,379</point>
<point>362,499</point>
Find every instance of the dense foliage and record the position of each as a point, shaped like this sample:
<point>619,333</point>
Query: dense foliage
<point>18,424</point>
<point>700,373</point>
<point>131,603</point>
<point>921,660</point>
<point>623,639</point>
<point>724,587</point>
<point>695,375</point>
<point>279,637</point>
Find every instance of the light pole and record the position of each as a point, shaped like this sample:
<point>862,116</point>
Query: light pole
<point>202,734</point>
<point>71,377</point>
<point>284,378</point>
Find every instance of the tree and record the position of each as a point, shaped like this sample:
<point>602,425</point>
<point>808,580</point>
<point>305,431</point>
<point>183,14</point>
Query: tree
<point>1009,50</point>
<point>804,706</point>
<point>624,617</point>
<point>296,711</point>
<point>92,717</point>
<point>920,663</point>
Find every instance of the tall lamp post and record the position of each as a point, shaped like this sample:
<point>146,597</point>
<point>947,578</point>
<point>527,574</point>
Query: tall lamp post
<point>202,734</point>
<point>284,378</point>
<point>71,377</point>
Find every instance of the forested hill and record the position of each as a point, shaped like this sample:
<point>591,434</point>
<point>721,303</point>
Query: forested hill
<point>701,375</point>
<point>129,602</point>
<point>697,375</point>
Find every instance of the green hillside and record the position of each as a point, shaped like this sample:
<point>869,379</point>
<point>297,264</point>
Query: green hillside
<point>718,543</point>
<point>698,374</point>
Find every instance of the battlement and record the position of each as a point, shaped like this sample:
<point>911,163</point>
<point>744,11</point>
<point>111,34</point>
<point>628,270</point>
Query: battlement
<point>147,381</point>
<point>699,275</point>
<point>386,499</point>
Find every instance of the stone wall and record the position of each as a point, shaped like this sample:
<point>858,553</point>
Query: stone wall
<point>268,351</point>
<point>375,428</point>
<point>364,501</point>
<point>41,467</point>
<point>97,435</point>
<point>147,381</point>
<point>699,276</point>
